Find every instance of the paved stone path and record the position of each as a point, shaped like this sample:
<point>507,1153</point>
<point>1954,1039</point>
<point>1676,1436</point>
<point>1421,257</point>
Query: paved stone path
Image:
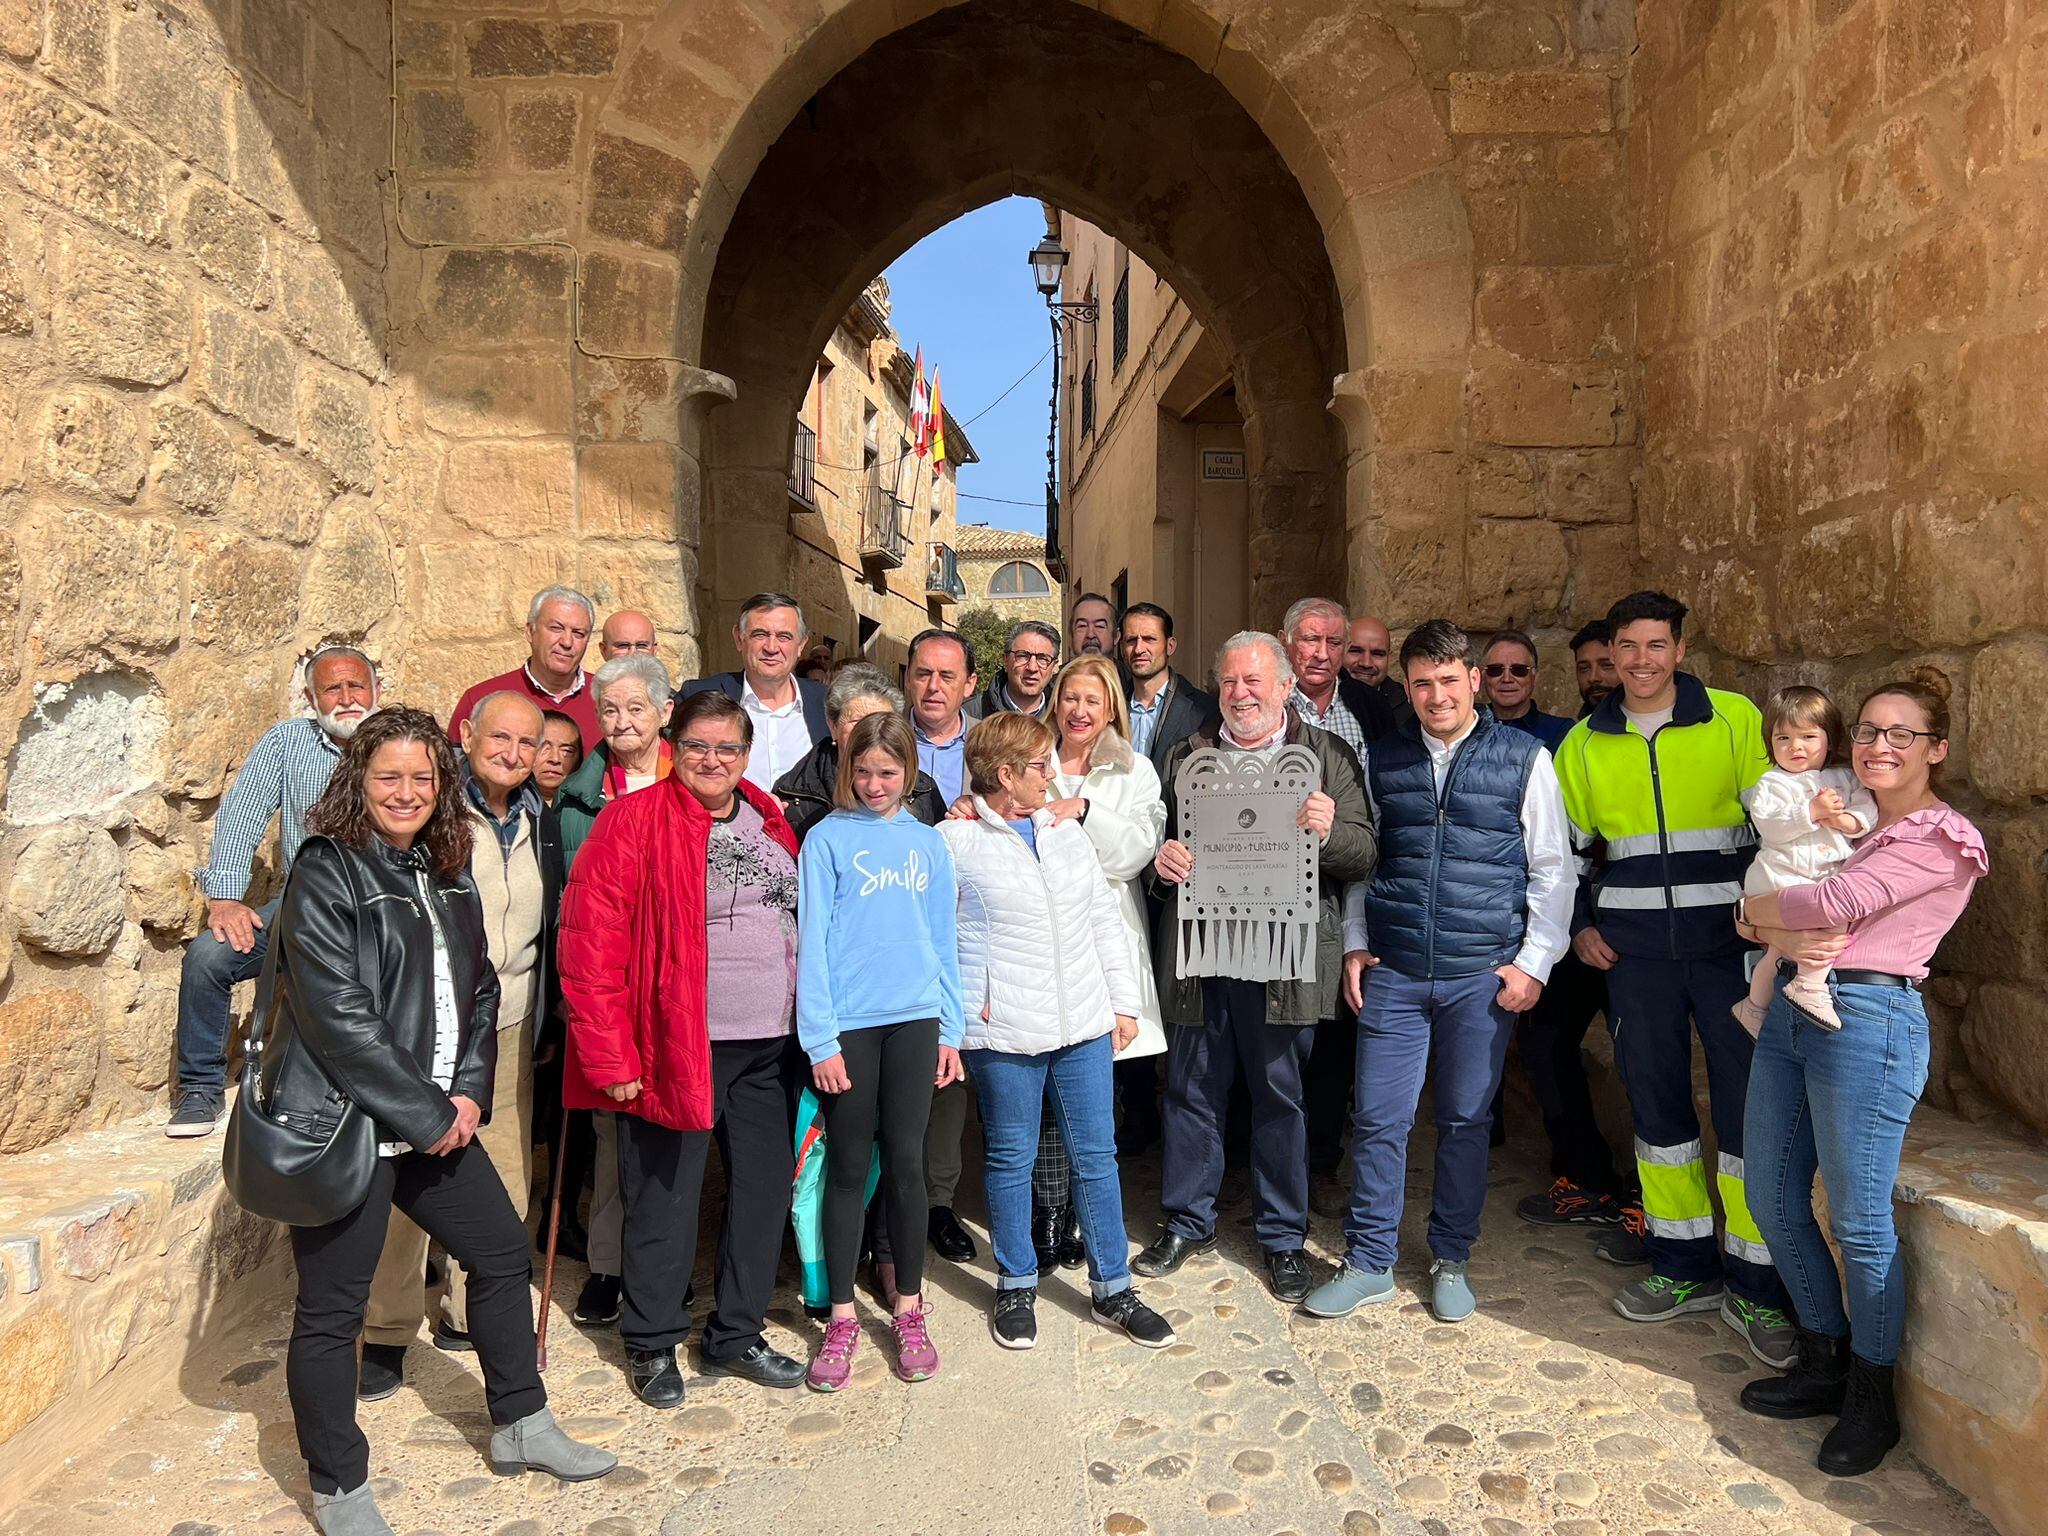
<point>1545,1413</point>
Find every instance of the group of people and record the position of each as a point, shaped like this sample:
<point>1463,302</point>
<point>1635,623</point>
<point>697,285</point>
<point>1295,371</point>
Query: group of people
<point>808,920</point>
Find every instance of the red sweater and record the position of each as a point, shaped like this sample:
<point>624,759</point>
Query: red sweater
<point>580,706</point>
<point>632,954</point>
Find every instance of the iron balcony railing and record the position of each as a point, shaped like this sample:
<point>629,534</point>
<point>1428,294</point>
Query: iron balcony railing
<point>942,579</point>
<point>882,536</point>
<point>803,468</point>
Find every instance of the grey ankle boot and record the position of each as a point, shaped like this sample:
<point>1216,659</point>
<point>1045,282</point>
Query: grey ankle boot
<point>536,1443</point>
<point>349,1514</point>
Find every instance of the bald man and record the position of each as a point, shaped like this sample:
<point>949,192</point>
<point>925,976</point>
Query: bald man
<point>627,632</point>
<point>1366,650</point>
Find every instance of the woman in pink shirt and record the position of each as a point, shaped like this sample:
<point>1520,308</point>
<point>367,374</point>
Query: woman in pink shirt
<point>1838,1102</point>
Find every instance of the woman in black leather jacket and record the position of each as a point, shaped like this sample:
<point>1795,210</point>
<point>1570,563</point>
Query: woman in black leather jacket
<point>383,994</point>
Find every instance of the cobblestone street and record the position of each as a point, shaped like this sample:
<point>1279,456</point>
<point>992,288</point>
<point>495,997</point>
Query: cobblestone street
<point>1545,1413</point>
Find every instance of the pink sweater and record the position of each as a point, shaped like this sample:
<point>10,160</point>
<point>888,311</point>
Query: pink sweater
<point>1899,893</point>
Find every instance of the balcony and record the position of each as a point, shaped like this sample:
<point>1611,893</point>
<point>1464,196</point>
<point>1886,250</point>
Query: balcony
<point>803,469</point>
<point>883,540</point>
<point>942,575</point>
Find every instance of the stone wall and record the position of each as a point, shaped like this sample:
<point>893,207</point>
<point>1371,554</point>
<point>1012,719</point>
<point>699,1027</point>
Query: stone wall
<point>1840,211</point>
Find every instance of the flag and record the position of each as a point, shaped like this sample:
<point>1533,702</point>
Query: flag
<point>936,427</point>
<point>920,409</point>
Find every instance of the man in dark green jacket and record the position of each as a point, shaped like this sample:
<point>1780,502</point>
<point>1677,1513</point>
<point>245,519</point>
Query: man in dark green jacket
<point>1214,1023</point>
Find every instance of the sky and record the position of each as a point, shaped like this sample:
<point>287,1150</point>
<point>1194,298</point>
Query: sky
<point>965,295</point>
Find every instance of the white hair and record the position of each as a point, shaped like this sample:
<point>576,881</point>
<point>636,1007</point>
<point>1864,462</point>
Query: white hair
<point>1309,607</point>
<point>861,680</point>
<point>548,595</point>
<point>1258,640</point>
<point>636,667</point>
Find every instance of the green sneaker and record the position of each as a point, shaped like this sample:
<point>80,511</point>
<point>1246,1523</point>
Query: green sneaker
<point>1767,1331</point>
<point>1659,1298</point>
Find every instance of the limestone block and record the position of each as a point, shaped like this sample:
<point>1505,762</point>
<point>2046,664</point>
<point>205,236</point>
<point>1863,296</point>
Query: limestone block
<point>1555,314</point>
<point>496,394</point>
<point>1924,42</point>
<point>1534,101</point>
<point>677,103</point>
<point>625,400</point>
<point>1602,565</point>
<point>2003,933</point>
<point>21,28</point>
<point>628,491</point>
<point>65,893</point>
<point>192,459</point>
<point>1737,608</point>
<point>1835,587</point>
<point>277,159</point>
<point>1514,573</point>
<point>2002,393</point>
<point>275,497</point>
<point>49,1050</point>
<point>10,609</point>
<point>274,40</point>
<point>77,608</point>
<point>1421,313</point>
<point>1823,328</point>
<point>511,490</point>
<point>86,745</point>
<point>88,1239</point>
<point>466,589</point>
<point>119,315</point>
<point>172,86</point>
<point>1529,405</point>
<point>350,584</point>
<point>17,311</point>
<point>1503,483</point>
<point>450,130</point>
<point>118,1317</point>
<point>337,312</point>
<point>503,46</point>
<point>24,1256</point>
<point>244,594</point>
<point>230,241</point>
<point>2004,1033</point>
<point>1971,568</point>
<point>1587,485</point>
<point>222,704</point>
<point>540,129</point>
<point>639,193</point>
<point>81,162</point>
<point>426,49</point>
<point>337,426</point>
<point>493,296</point>
<point>142,1038</point>
<point>91,443</point>
<point>1940,284</point>
<point>35,1362</point>
<point>164,895</point>
<point>1840,85</point>
<point>507,213</point>
<point>248,372</point>
<point>658,579</point>
<point>2008,735</point>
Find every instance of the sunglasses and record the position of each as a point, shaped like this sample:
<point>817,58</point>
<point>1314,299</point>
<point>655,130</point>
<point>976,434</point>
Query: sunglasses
<point>1500,669</point>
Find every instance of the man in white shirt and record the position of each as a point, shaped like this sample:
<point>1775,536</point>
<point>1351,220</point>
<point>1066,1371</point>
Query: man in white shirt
<point>788,711</point>
<point>1452,939</point>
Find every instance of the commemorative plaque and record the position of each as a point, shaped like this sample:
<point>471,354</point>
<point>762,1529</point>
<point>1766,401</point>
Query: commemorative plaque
<point>1248,910</point>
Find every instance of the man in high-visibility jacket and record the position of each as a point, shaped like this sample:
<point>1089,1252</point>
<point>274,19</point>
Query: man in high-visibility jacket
<point>1658,771</point>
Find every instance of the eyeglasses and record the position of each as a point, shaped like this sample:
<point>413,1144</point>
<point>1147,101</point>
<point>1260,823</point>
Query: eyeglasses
<point>1897,737</point>
<point>1500,669</point>
<point>1040,765</point>
<point>724,751</point>
<point>631,647</point>
<point>1030,658</point>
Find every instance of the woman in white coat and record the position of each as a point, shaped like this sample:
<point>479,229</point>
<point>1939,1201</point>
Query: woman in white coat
<point>1114,793</point>
<point>1048,992</point>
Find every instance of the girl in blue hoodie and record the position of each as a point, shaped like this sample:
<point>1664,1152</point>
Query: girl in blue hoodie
<point>878,1013</point>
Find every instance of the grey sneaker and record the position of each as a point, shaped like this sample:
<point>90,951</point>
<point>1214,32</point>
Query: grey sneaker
<point>1658,1298</point>
<point>1624,1244</point>
<point>198,1112</point>
<point>537,1443</point>
<point>1348,1290</point>
<point>1767,1331</point>
<point>1450,1296</point>
<point>349,1514</point>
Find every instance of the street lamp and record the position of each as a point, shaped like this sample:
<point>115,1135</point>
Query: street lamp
<point>1048,261</point>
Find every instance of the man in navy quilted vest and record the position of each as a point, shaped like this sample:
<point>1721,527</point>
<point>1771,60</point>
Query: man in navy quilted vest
<point>1450,940</point>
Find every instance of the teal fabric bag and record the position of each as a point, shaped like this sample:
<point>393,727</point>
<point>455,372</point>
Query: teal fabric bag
<point>807,1198</point>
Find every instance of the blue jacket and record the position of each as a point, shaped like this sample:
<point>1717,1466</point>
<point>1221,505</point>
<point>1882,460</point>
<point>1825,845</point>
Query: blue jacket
<point>1551,730</point>
<point>733,685</point>
<point>1449,895</point>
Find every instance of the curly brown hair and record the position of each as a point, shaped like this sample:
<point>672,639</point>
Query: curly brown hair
<point>343,811</point>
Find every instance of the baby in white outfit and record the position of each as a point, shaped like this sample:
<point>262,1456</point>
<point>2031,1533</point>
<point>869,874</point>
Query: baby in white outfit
<point>1807,811</point>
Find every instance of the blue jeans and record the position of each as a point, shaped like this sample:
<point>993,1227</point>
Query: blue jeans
<point>1405,1021</point>
<point>1012,1091</point>
<point>1837,1101</point>
<point>205,984</point>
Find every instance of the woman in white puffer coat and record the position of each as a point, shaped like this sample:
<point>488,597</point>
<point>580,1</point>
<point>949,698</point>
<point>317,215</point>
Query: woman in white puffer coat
<point>1047,991</point>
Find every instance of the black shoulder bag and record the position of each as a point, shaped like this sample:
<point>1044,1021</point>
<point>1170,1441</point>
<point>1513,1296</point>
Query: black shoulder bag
<point>303,1171</point>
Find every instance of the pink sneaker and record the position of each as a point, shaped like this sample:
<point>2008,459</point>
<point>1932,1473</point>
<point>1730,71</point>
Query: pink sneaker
<point>917,1358</point>
<point>832,1366</point>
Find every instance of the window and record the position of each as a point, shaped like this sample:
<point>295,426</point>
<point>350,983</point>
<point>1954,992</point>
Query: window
<point>1120,322</point>
<point>1088,399</point>
<point>1018,579</point>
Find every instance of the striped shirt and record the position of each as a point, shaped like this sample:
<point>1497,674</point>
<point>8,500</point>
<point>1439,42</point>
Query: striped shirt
<point>282,776</point>
<point>1337,720</point>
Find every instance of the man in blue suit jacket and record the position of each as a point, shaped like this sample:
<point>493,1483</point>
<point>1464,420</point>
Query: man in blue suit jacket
<point>788,713</point>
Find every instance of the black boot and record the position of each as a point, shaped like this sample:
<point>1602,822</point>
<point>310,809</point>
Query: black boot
<point>1869,1425</point>
<point>1073,1253</point>
<point>1815,1385</point>
<point>1045,1237</point>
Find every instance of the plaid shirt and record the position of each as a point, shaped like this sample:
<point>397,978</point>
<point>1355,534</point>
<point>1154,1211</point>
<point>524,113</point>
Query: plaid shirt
<point>524,801</point>
<point>282,776</point>
<point>1337,720</point>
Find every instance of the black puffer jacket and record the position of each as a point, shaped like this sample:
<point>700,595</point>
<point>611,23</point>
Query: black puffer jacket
<point>327,1034</point>
<point>806,791</point>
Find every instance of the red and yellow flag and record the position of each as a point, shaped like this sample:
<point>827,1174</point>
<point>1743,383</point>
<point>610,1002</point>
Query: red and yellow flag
<point>936,426</point>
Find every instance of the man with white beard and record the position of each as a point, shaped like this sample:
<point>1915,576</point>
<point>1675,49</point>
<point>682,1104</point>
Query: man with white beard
<point>282,776</point>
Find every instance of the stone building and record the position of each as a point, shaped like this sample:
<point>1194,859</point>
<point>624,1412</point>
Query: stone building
<point>1005,571</point>
<point>871,524</point>
<point>1521,302</point>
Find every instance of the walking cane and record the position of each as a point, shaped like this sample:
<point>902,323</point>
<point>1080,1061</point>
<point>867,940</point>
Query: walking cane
<point>547,1284</point>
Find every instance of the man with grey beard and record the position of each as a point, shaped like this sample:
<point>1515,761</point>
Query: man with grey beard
<point>282,776</point>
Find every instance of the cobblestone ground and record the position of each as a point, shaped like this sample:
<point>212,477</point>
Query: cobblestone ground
<point>1545,1413</point>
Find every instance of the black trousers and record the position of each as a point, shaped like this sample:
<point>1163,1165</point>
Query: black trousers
<point>889,1068</point>
<point>1551,1034</point>
<point>460,1202</point>
<point>1326,1088</point>
<point>661,1178</point>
